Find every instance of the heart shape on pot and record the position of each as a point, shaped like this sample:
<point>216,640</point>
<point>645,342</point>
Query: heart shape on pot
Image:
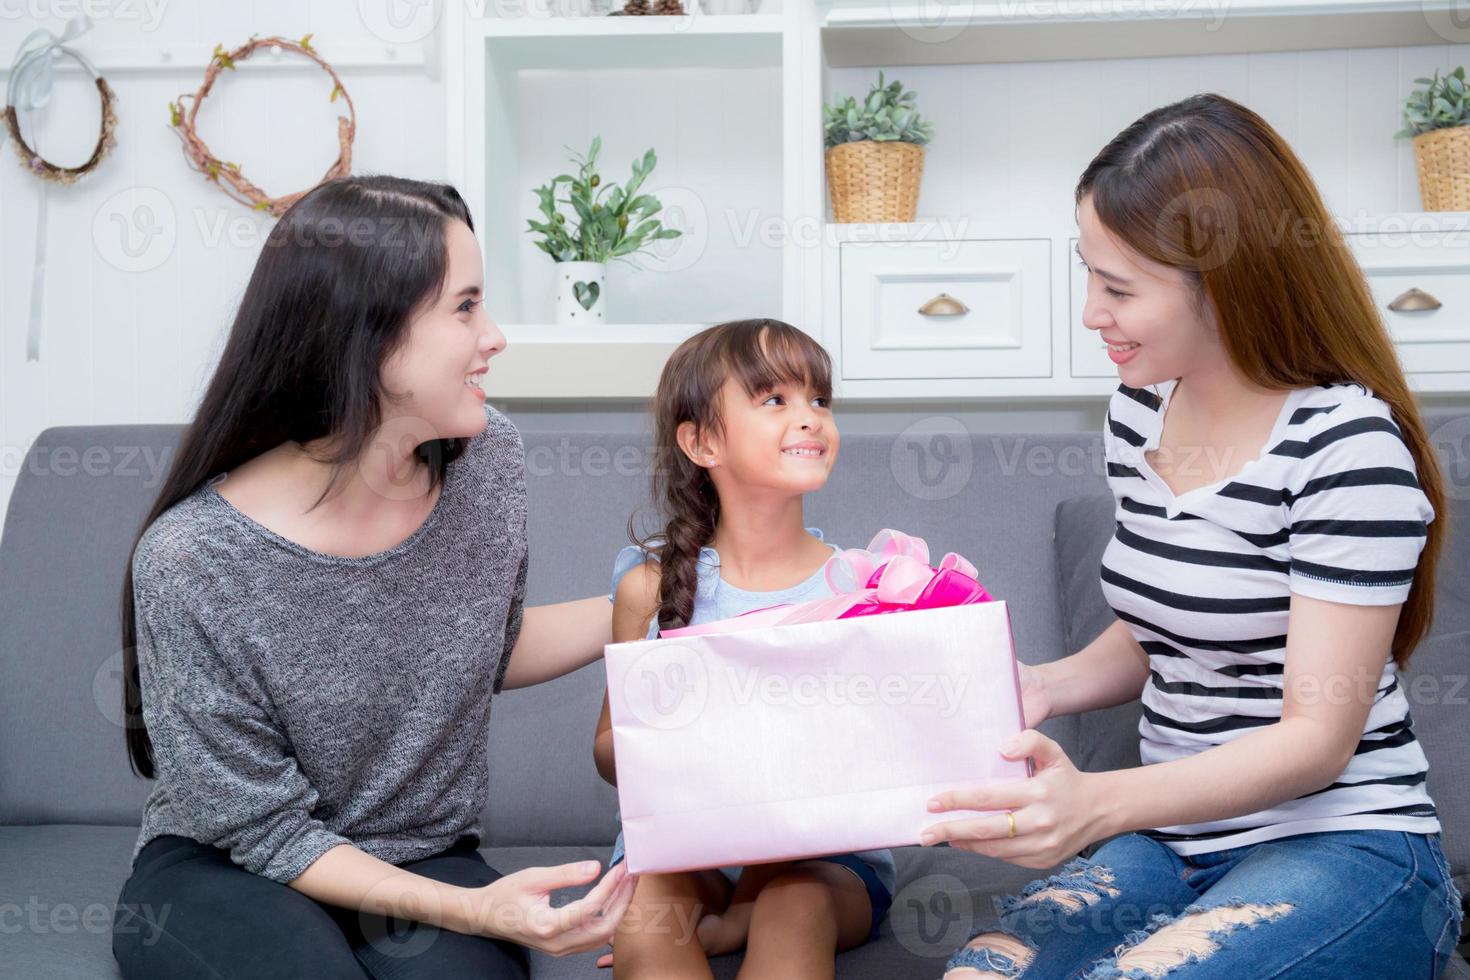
<point>586,293</point>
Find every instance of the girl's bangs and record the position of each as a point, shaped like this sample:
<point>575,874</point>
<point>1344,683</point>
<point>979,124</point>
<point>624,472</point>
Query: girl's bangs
<point>765,359</point>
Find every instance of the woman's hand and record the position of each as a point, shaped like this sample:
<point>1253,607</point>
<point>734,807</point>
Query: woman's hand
<point>1057,812</point>
<point>518,907</point>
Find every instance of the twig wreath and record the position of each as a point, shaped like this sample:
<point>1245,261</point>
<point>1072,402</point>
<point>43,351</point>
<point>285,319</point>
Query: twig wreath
<point>226,174</point>
<point>29,88</point>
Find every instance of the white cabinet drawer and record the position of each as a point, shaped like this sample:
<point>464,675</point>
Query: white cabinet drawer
<point>1436,262</point>
<point>1089,357</point>
<point>1004,333</point>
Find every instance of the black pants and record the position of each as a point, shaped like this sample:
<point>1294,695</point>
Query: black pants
<point>187,910</point>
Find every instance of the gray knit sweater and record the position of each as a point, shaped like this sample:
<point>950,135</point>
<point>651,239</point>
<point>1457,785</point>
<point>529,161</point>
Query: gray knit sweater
<point>298,700</point>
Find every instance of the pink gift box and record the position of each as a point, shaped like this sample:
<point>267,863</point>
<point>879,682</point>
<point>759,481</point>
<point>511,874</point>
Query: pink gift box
<point>781,742</point>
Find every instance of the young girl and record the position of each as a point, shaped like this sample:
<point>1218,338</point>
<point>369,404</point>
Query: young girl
<point>743,430</point>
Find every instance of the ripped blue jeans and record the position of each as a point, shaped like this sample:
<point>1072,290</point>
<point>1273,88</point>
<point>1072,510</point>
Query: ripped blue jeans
<point>1356,903</point>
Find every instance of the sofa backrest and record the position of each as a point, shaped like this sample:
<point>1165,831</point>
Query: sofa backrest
<point>83,491</point>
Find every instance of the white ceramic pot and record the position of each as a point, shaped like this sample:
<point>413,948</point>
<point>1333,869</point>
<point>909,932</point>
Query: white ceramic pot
<point>581,293</point>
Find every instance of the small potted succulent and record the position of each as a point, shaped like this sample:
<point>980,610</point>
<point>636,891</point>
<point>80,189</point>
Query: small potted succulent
<point>1438,119</point>
<point>612,227</point>
<point>875,154</point>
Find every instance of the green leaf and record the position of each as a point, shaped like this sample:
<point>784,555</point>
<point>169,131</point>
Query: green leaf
<point>645,204</point>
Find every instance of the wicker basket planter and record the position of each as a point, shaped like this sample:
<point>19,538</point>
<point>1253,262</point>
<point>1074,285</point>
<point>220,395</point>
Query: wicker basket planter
<point>874,181</point>
<point>1443,160</point>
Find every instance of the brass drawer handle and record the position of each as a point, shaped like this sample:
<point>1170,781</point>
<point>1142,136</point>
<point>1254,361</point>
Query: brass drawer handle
<point>944,305</point>
<point>1413,299</point>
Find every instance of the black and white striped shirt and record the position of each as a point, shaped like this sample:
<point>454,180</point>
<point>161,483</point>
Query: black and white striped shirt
<point>1331,509</point>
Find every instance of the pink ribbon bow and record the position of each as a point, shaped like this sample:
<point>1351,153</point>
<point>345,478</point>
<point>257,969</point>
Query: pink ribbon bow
<point>892,574</point>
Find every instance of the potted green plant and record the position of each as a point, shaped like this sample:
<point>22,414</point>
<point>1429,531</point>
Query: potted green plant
<point>612,227</point>
<point>875,154</point>
<point>1438,119</point>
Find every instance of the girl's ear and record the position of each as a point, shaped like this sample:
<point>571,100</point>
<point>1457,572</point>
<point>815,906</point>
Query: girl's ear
<point>699,453</point>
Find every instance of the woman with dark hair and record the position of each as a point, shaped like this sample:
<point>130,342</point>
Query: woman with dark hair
<point>1280,513</point>
<point>319,607</point>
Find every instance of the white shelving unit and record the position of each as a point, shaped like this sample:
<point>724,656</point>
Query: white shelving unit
<point>508,76</point>
<point>876,32</point>
<point>732,105</point>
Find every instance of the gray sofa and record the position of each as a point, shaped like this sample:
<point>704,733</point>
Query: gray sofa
<point>69,805</point>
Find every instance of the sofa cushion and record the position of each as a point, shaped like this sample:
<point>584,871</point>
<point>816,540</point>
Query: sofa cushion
<point>62,882</point>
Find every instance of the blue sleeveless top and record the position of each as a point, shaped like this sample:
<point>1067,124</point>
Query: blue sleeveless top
<point>716,599</point>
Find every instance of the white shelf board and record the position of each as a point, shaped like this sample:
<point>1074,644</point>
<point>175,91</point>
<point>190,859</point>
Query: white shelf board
<point>864,34</point>
<point>704,25</point>
<point>609,333</point>
<point>697,41</point>
<point>555,363</point>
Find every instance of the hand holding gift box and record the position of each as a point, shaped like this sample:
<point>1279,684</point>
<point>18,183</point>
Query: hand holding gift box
<point>815,728</point>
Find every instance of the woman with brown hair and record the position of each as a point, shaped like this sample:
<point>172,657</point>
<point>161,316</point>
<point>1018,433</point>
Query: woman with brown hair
<point>1280,515</point>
